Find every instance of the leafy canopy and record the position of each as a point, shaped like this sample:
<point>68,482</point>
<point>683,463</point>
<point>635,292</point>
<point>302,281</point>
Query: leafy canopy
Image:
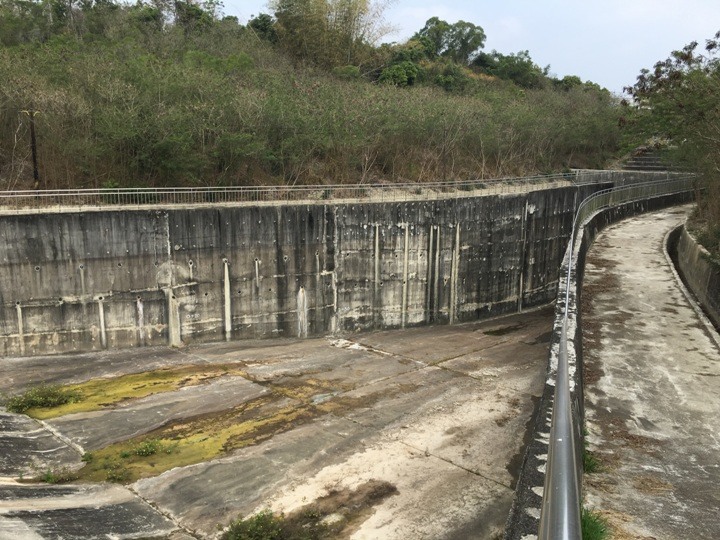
<point>460,42</point>
<point>678,101</point>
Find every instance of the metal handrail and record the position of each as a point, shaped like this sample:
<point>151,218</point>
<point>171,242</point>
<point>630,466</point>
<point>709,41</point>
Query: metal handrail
<point>20,199</point>
<point>560,517</point>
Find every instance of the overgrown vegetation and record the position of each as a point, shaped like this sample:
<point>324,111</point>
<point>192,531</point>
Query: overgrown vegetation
<point>187,441</point>
<point>266,525</point>
<point>707,231</point>
<point>191,441</point>
<point>152,94</point>
<point>42,397</point>
<point>677,103</point>
<point>122,466</point>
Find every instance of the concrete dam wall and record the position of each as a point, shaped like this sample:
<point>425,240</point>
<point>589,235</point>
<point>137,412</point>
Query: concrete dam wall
<point>122,278</point>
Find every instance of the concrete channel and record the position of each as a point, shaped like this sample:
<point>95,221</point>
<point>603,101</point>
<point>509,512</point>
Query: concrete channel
<point>437,415</point>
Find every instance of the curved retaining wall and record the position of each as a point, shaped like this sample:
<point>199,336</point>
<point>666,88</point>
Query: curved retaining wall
<point>699,272</point>
<point>121,278</point>
<point>524,517</point>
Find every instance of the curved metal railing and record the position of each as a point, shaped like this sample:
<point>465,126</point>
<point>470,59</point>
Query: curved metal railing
<point>560,517</point>
<point>390,192</point>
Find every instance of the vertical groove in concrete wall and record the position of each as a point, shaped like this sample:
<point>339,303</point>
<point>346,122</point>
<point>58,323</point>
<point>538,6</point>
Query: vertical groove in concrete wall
<point>436,276</point>
<point>103,331</point>
<point>21,331</point>
<point>140,321</point>
<point>406,252</point>
<point>227,301</point>
<point>200,274</point>
<point>454,275</point>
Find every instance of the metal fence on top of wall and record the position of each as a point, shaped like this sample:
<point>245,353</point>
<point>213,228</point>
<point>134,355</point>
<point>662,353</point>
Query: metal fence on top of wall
<point>312,194</point>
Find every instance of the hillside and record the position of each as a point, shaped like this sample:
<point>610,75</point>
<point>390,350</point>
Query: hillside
<point>136,95</point>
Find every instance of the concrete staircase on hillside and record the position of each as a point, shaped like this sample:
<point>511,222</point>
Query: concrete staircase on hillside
<point>645,160</point>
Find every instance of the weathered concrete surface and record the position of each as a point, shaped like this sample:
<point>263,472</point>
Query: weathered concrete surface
<point>28,448</point>
<point>439,412</point>
<point>30,512</point>
<point>652,398</point>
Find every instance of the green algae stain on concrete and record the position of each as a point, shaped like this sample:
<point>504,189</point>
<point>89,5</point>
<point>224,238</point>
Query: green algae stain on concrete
<point>291,402</point>
<point>196,440</point>
<point>98,394</point>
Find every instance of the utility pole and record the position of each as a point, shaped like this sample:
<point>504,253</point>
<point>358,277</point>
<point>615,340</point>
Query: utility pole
<point>33,144</point>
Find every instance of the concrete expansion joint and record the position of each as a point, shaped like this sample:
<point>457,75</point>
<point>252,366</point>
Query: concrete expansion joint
<point>376,350</point>
<point>428,454</point>
<point>165,514</point>
<point>55,433</point>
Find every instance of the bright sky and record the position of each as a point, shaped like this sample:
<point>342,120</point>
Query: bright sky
<point>604,41</point>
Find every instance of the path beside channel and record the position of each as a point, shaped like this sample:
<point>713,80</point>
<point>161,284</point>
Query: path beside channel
<point>651,387</point>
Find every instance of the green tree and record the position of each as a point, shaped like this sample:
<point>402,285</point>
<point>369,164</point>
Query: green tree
<point>403,73</point>
<point>328,33</point>
<point>516,67</point>
<point>568,82</point>
<point>679,101</point>
<point>459,42</point>
<point>264,27</point>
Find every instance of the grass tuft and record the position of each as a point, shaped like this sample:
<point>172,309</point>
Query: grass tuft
<point>594,526</point>
<point>591,464</point>
<point>147,448</point>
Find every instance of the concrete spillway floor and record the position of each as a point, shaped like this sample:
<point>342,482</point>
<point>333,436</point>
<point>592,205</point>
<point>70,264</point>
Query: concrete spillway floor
<point>438,413</point>
<point>652,393</point>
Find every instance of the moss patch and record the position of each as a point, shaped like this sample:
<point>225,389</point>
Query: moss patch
<point>196,439</point>
<point>291,402</point>
<point>98,394</point>
<point>204,437</point>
